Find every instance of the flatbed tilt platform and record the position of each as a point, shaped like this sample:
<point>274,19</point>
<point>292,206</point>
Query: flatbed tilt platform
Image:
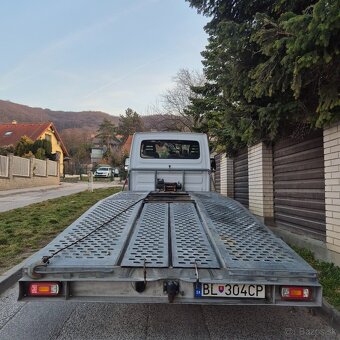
<point>195,247</point>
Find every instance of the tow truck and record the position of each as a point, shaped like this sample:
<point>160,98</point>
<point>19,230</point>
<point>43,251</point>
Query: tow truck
<point>169,239</point>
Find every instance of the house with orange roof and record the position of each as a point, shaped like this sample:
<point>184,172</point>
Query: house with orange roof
<point>10,135</point>
<point>125,149</point>
<point>116,145</point>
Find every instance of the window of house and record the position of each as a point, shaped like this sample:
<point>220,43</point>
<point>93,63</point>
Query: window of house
<point>8,133</point>
<point>48,137</point>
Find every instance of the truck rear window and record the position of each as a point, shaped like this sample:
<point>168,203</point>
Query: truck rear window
<point>170,149</point>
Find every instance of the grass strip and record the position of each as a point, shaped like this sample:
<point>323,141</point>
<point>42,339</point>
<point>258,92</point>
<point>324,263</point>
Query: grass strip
<point>329,276</point>
<point>23,231</point>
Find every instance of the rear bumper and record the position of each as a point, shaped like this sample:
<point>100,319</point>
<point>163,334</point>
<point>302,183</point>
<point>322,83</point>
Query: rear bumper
<point>101,290</point>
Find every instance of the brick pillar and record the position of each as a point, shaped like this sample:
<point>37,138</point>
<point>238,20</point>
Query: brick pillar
<point>217,177</point>
<point>331,139</point>
<point>260,175</point>
<point>227,176</point>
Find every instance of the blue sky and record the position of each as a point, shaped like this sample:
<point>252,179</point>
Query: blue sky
<point>96,54</point>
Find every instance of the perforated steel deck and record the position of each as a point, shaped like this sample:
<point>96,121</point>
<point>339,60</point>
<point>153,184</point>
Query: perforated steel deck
<point>150,241</point>
<point>243,241</point>
<point>214,232</point>
<point>150,238</point>
<point>189,240</point>
<point>105,245</point>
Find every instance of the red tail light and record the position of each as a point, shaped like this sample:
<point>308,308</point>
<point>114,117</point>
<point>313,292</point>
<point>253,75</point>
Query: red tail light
<point>44,288</point>
<point>296,293</point>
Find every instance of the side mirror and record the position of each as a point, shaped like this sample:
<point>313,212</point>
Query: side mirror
<point>127,163</point>
<point>213,164</point>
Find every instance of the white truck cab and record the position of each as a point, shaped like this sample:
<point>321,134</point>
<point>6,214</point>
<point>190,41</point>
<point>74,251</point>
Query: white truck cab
<point>169,161</point>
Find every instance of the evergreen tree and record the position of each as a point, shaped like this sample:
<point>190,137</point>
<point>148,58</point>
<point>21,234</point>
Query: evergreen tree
<point>272,68</point>
<point>130,123</point>
<point>24,147</point>
<point>106,133</point>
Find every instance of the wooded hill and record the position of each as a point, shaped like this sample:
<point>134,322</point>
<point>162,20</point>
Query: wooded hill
<point>72,122</point>
<point>87,120</point>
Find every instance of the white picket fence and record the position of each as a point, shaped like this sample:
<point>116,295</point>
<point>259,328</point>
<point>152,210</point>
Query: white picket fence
<point>4,165</point>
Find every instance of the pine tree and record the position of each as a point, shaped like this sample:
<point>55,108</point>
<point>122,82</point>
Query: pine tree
<point>271,67</point>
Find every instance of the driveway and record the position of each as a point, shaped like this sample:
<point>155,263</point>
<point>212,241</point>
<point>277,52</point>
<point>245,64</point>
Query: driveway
<point>18,198</point>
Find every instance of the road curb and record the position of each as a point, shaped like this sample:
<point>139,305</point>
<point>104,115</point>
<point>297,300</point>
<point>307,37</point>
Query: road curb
<point>329,313</point>
<point>10,277</point>
<point>13,192</point>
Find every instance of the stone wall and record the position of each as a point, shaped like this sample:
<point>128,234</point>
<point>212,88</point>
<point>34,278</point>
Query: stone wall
<point>22,182</point>
<point>12,181</point>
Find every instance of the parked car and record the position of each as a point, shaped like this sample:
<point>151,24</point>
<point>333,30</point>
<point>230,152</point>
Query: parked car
<point>115,172</point>
<point>127,163</point>
<point>103,172</point>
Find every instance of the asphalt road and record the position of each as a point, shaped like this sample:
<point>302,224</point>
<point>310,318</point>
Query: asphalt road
<point>18,198</point>
<point>67,320</point>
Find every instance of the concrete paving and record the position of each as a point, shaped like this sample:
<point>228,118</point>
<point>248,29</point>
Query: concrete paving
<point>69,320</point>
<point>18,198</point>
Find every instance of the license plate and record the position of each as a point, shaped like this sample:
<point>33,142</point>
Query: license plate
<point>229,290</point>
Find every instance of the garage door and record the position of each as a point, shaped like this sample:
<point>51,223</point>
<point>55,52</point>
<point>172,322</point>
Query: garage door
<point>299,185</point>
<point>241,187</point>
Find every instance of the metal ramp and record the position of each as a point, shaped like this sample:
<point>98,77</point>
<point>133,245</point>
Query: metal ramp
<point>149,241</point>
<point>244,242</point>
<point>196,230</point>
<point>102,248</point>
<point>169,235</point>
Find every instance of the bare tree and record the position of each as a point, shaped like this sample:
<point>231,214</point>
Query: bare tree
<point>177,99</point>
<point>163,122</point>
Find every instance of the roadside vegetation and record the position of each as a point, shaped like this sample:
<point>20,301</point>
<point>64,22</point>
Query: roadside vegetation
<point>23,231</point>
<point>271,68</point>
<point>329,276</point>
